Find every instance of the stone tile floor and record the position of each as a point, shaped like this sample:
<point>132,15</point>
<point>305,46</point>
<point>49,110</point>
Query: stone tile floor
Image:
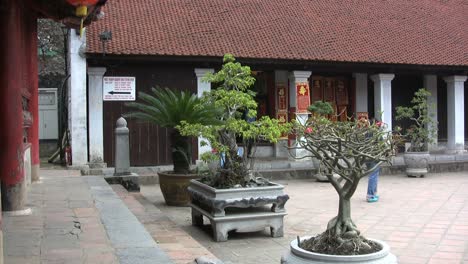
<point>424,220</point>
<point>64,226</point>
<point>178,244</point>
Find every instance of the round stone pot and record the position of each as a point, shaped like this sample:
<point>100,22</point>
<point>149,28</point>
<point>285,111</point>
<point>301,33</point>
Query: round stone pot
<point>174,187</point>
<point>297,255</point>
<point>318,175</point>
<point>417,163</point>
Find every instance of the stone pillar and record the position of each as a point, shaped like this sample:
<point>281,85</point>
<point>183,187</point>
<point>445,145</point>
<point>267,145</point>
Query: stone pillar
<point>296,77</point>
<point>430,83</point>
<point>77,99</point>
<point>281,80</point>
<point>201,88</point>
<point>96,140</point>
<point>361,92</point>
<point>455,113</point>
<point>122,149</point>
<point>383,98</point>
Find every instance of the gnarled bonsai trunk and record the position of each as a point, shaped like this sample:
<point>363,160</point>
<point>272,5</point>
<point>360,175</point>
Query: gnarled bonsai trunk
<point>342,223</point>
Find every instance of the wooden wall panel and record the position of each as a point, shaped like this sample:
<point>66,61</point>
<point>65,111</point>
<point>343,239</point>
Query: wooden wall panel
<point>149,144</point>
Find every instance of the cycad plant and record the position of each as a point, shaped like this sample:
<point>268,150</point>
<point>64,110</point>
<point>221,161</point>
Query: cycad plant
<point>168,108</point>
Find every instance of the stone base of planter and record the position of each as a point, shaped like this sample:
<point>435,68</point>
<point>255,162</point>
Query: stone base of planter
<point>297,255</point>
<point>241,220</point>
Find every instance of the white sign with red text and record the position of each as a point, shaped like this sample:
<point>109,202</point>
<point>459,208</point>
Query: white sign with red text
<point>118,88</point>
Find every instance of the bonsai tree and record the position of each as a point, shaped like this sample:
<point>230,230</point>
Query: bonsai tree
<point>346,150</point>
<point>168,108</point>
<point>320,108</point>
<point>423,128</point>
<point>232,95</point>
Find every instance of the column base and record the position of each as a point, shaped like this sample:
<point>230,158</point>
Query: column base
<point>1,246</point>
<point>14,196</point>
<point>455,151</point>
<point>35,172</point>
<point>281,149</point>
<point>23,212</point>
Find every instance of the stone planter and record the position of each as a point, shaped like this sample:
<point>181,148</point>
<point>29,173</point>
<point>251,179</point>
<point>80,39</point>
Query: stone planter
<point>297,255</point>
<point>240,209</point>
<point>318,175</point>
<point>417,163</point>
<point>216,200</point>
<point>174,187</point>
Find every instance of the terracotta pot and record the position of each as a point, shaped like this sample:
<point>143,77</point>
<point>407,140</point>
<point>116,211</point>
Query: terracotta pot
<point>174,187</point>
<point>297,255</point>
<point>417,163</point>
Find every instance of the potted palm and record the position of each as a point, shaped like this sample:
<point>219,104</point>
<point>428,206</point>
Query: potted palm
<point>346,151</point>
<point>232,183</point>
<point>421,133</point>
<point>168,108</point>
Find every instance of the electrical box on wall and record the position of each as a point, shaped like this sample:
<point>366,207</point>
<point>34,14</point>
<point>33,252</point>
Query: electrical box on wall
<point>48,115</point>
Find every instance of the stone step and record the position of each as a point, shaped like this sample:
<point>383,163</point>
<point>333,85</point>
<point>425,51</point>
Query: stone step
<point>284,169</point>
<point>132,242</point>
<point>176,242</point>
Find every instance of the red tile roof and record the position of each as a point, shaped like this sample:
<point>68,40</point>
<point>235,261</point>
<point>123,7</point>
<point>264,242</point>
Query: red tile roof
<point>427,32</point>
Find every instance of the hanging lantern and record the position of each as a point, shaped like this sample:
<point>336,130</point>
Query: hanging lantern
<point>82,9</point>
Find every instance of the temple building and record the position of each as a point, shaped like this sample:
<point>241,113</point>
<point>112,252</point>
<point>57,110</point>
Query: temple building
<point>361,56</point>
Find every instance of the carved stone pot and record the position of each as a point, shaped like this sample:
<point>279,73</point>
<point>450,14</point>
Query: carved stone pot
<point>174,187</point>
<point>417,163</point>
<point>239,209</point>
<point>216,200</point>
<point>297,255</point>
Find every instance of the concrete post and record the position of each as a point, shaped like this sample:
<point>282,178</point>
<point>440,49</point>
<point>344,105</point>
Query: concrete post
<point>361,92</point>
<point>295,78</point>
<point>77,99</point>
<point>201,88</point>
<point>455,113</point>
<point>383,98</point>
<point>96,139</point>
<point>430,83</point>
<point>122,150</point>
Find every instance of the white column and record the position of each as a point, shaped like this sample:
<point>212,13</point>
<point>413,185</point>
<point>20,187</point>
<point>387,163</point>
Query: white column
<point>96,140</point>
<point>383,98</point>
<point>201,88</point>
<point>296,77</point>
<point>361,92</point>
<point>77,99</point>
<point>455,113</point>
<point>430,83</point>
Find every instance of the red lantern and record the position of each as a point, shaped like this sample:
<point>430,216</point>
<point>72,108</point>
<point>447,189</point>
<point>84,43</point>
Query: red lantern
<point>82,9</point>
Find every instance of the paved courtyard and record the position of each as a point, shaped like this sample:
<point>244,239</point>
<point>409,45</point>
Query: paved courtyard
<point>424,220</point>
<point>79,219</point>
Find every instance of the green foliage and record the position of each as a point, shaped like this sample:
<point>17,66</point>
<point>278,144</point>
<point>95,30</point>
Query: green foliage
<point>232,95</point>
<point>423,129</point>
<point>168,108</point>
<point>321,108</point>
